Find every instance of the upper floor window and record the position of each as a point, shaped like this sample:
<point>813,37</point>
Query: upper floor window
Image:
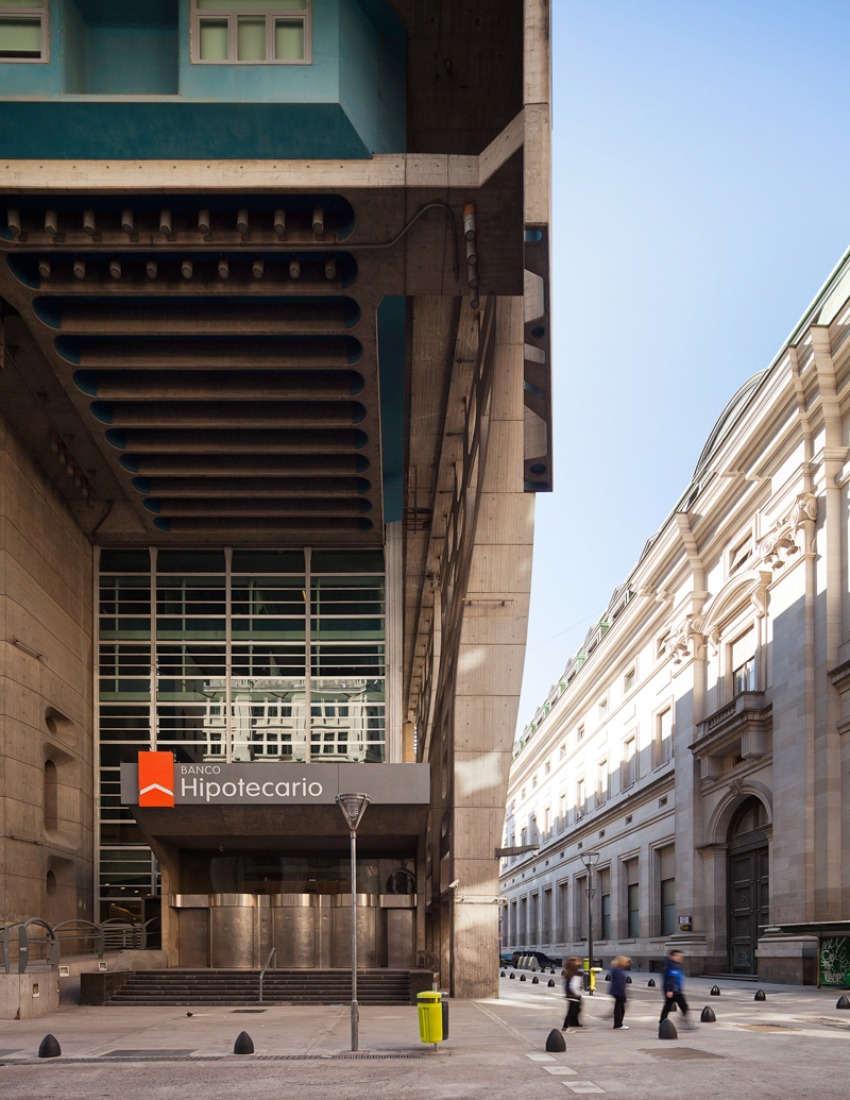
<point>629,680</point>
<point>251,32</point>
<point>743,663</point>
<point>23,30</point>
<point>664,736</point>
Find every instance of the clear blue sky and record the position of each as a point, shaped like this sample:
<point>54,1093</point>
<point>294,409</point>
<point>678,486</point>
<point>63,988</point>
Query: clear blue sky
<point>701,198</point>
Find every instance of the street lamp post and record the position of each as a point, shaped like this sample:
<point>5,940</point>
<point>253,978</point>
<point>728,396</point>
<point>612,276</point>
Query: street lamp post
<point>590,859</point>
<point>353,807</point>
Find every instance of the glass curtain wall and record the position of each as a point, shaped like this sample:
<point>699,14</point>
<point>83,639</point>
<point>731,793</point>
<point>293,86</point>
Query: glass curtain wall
<point>232,655</point>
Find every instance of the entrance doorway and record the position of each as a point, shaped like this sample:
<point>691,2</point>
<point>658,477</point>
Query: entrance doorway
<point>748,884</point>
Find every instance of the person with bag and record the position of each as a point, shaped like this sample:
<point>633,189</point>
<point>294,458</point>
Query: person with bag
<point>573,985</point>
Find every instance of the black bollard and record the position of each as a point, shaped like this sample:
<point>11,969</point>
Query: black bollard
<point>607,977</point>
<point>651,983</point>
<point>501,973</point>
<point>628,979</point>
<point>843,1002</point>
<point>551,969</point>
<point>535,980</point>
<point>715,991</point>
<point>512,975</point>
<point>707,1016</point>
<point>760,995</point>
<point>550,984</point>
<point>555,1041</point>
<point>667,1030</point>
<point>522,977</point>
<point>190,1014</point>
<point>244,1044</point>
<point>49,1047</point>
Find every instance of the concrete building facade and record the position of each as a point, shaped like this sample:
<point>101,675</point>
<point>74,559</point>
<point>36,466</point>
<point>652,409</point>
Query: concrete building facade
<point>275,404</point>
<point>696,745</point>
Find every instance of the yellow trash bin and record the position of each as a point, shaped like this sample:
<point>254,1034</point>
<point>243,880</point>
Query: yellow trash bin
<point>430,1017</point>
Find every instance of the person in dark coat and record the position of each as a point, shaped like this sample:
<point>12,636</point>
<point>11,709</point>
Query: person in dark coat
<point>618,990</point>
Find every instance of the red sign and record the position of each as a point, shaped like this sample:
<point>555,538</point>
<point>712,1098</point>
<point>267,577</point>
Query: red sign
<point>156,779</point>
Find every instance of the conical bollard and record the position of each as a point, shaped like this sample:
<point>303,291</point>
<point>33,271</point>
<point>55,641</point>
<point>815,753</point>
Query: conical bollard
<point>628,979</point>
<point>501,973</point>
<point>512,975</point>
<point>535,980</point>
<point>607,977</point>
<point>551,985</point>
<point>49,1047</point>
<point>522,977</point>
<point>667,1030</point>
<point>651,983</point>
<point>715,991</point>
<point>707,1016</point>
<point>843,1001</point>
<point>555,1041</point>
<point>244,1044</point>
<point>760,995</point>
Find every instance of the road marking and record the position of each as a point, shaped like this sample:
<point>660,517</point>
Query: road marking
<point>582,1086</point>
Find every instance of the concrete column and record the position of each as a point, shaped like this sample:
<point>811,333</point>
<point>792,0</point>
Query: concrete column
<point>489,667</point>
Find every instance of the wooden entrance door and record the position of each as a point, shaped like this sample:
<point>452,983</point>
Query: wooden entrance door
<point>748,886</point>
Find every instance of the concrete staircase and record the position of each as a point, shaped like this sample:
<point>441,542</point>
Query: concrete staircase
<point>280,987</point>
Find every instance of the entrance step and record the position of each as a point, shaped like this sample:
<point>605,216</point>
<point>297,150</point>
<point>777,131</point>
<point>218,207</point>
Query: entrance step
<point>280,987</point>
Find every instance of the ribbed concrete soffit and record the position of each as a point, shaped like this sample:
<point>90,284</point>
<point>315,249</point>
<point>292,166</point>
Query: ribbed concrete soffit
<point>220,355</point>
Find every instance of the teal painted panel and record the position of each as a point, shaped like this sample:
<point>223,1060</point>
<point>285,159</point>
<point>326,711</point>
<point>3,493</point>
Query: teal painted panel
<point>131,61</point>
<point>349,102</point>
<point>64,129</point>
<point>392,325</point>
<point>373,74</point>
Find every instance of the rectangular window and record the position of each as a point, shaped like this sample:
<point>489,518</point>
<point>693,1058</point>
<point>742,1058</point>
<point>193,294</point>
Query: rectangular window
<point>546,916</point>
<point>629,765</point>
<point>667,884</point>
<point>251,32</point>
<point>631,874</point>
<point>664,736</point>
<point>605,904</point>
<point>668,906</point>
<point>601,782</point>
<point>23,30</point>
<point>629,680</point>
<point>581,803</point>
<point>563,911</point>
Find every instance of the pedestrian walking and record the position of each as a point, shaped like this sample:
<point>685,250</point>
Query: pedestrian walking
<point>572,987</point>
<point>618,990</point>
<point>674,984</point>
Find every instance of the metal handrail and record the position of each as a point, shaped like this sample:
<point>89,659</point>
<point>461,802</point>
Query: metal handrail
<point>263,971</point>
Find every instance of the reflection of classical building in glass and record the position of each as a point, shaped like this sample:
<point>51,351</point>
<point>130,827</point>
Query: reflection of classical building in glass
<point>698,740</point>
<point>274,407</point>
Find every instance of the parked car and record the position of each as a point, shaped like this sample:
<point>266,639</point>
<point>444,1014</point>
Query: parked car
<point>540,956</point>
<point>506,958</point>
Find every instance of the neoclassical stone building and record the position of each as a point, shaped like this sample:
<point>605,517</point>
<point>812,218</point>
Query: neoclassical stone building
<point>697,743</point>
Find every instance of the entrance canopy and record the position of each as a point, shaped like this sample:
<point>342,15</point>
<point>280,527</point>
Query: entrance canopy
<point>281,806</point>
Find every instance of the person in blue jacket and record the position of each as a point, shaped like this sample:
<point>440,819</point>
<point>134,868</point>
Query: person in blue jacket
<point>674,984</point>
<point>618,990</point>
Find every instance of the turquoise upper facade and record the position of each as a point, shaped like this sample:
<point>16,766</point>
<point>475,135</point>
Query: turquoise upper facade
<point>120,83</point>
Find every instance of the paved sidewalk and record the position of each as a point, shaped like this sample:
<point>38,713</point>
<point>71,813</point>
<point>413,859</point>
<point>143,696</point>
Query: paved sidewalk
<point>794,1044</point>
